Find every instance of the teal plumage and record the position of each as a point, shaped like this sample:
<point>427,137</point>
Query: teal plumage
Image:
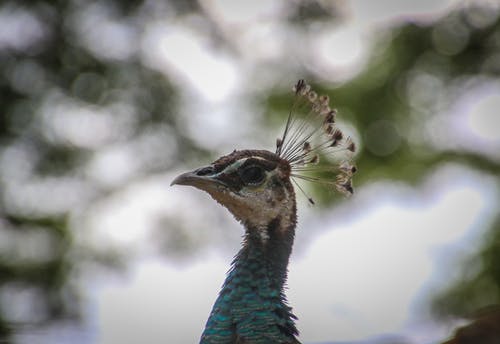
<point>252,304</point>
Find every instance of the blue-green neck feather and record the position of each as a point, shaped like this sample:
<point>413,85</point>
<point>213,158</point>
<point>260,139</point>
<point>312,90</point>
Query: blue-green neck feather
<point>252,307</point>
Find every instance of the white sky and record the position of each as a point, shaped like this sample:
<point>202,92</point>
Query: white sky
<point>181,48</point>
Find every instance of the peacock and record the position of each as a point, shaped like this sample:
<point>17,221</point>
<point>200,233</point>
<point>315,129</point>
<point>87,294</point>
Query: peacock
<point>257,187</point>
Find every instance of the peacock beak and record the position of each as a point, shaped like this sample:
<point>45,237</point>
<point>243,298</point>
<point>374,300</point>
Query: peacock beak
<point>201,178</point>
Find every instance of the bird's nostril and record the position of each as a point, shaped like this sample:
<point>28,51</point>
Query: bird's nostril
<point>205,171</point>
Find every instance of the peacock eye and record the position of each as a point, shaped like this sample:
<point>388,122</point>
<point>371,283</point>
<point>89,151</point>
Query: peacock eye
<point>252,175</point>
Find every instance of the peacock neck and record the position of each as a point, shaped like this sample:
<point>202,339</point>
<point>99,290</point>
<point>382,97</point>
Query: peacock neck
<point>252,306</point>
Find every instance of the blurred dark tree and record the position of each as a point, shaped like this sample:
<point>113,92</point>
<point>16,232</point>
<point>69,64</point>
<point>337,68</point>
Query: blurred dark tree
<point>47,67</point>
<point>45,64</point>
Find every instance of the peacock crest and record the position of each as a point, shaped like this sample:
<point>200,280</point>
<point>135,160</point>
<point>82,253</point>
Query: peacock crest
<point>312,135</point>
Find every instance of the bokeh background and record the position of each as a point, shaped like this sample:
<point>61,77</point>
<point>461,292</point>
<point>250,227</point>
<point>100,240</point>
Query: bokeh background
<point>103,102</point>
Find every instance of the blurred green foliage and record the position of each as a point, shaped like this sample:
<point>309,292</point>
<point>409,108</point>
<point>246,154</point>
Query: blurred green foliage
<point>54,67</point>
<point>394,138</point>
<point>38,257</point>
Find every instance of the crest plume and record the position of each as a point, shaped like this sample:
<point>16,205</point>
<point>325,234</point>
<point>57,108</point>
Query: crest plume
<point>311,135</point>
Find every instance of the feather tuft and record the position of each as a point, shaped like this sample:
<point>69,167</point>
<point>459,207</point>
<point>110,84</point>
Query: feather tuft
<point>311,132</point>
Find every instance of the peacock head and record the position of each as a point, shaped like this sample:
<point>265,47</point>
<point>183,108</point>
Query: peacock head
<point>256,186</point>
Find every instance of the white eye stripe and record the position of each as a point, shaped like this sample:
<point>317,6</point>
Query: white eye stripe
<point>233,167</point>
<point>237,164</point>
